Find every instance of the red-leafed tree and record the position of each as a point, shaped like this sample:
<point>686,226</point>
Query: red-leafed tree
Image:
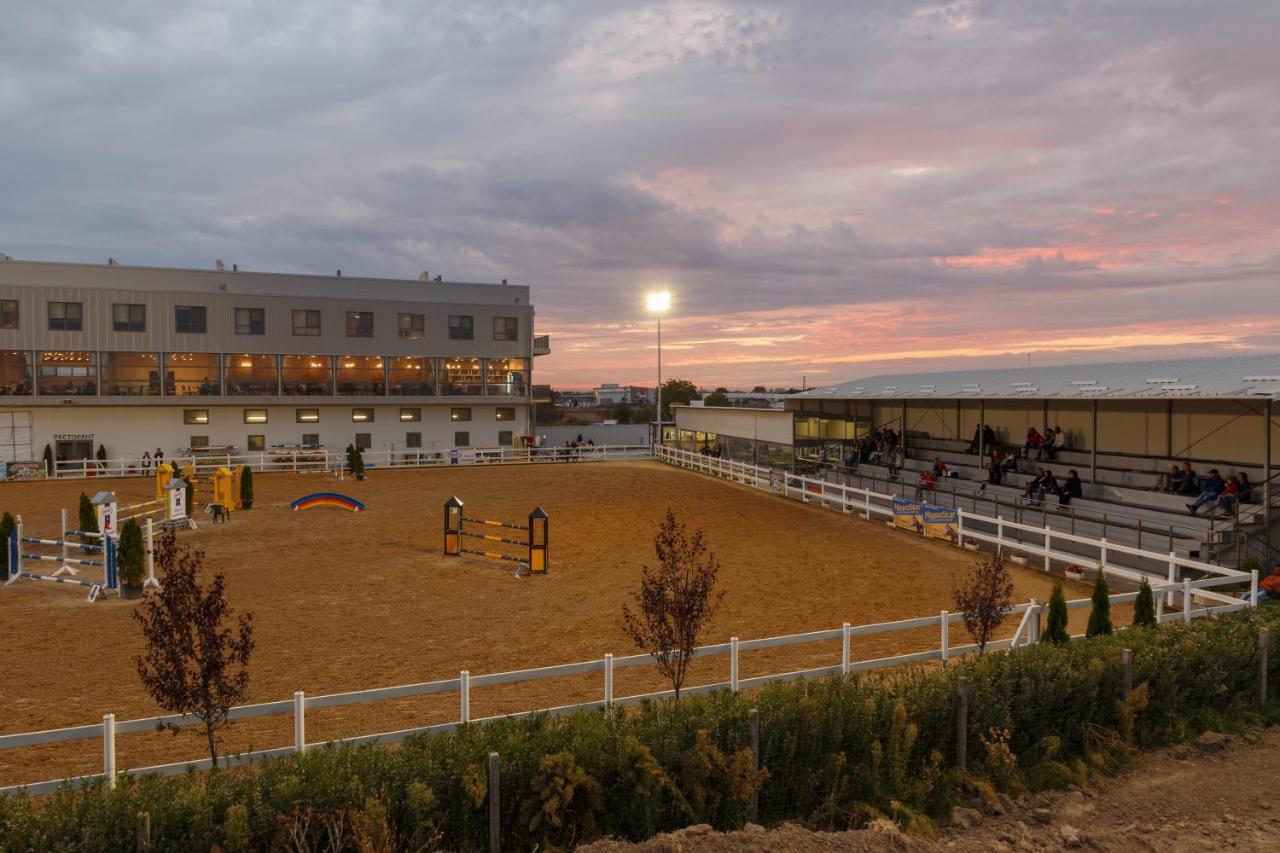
<point>195,661</point>
<point>676,600</point>
<point>985,598</point>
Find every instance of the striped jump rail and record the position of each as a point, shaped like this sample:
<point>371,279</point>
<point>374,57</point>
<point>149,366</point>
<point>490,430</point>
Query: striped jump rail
<point>534,558</point>
<point>67,564</point>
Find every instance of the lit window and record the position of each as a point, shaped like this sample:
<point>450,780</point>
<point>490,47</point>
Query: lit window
<point>460,414</point>
<point>255,416</point>
<point>308,416</point>
<point>361,416</point>
<point>407,415</point>
<point>195,416</point>
<point>504,413</point>
<point>257,442</point>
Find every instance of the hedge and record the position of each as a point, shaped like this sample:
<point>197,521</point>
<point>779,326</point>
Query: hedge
<point>835,752</point>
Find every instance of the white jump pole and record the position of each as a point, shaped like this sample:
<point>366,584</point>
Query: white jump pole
<point>151,556</point>
<point>66,551</point>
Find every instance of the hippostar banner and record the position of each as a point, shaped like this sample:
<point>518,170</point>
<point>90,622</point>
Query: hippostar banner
<point>941,522</point>
<point>906,514</point>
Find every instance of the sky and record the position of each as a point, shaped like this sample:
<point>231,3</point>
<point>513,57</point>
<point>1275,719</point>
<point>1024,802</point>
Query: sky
<point>828,189</point>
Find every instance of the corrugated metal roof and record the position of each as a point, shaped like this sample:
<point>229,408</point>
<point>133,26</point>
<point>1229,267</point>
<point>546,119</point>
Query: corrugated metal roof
<point>1234,376</point>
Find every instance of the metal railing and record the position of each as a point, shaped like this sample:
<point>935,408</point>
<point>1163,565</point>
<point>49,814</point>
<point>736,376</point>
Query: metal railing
<point>1027,632</point>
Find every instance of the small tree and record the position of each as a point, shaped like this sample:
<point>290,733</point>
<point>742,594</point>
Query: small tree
<point>131,556</point>
<point>622,412</point>
<point>88,519</point>
<point>1056,630</point>
<point>7,525</point>
<point>48,461</point>
<point>717,398</point>
<point>246,487</point>
<point>1144,607</point>
<point>677,391</point>
<point>194,661</point>
<point>1100,615</point>
<point>102,453</point>
<point>985,598</point>
<point>676,600</point>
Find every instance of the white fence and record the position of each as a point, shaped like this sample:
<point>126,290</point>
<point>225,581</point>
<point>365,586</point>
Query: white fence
<point>1027,632</point>
<point>323,460</point>
<point>1025,540</point>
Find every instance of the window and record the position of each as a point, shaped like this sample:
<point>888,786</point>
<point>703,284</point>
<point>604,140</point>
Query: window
<point>412,376</point>
<point>462,377</point>
<point>127,317</point>
<point>359,324</point>
<point>364,440</point>
<point>15,373</point>
<point>459,414</point>
<point>412,326</point>
<point>306,323</point>
<point>255,416</point>
<point>199,441</point>
<point>66,316</point>
<point>361,376</point>
<point>257,442</point>
<point>66,374</point>
<point>193,374</point>
<point>504,413</point>
<point>9,314</point>
<point>311,439</point>
<point>307,416</point>
<point>410,415</point>
<point>506,328</point>
<point>195,416</point>
<point>504,437</point>
<point>413,439</point>
<point>362,416</point>
<point>461,327</point>
<point>131,374</point>
<point>252,375</point>
<point>190,319</point>
<point>462,439</point>
<point>251,321</point>
<point>306,375</point>
<point>507,377</point>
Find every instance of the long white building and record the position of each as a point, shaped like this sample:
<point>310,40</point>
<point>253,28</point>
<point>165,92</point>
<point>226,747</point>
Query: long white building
<point>139,358</point>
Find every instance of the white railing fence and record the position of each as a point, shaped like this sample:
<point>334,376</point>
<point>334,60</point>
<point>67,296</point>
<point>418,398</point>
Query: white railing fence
<point>1027,632</point>
<point>324,460</point>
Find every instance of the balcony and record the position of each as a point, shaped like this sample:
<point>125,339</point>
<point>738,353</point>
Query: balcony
<point>541,345</point>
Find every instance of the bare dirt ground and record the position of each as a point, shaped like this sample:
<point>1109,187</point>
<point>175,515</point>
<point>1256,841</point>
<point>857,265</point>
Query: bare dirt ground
<point>1214,796</point>
<point>346,601</point>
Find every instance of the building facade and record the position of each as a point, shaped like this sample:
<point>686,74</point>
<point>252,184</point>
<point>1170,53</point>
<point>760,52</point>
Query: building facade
<point>139,358</point>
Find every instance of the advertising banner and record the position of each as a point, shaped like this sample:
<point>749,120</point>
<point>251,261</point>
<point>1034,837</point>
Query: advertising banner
<point>907,514</point>
<point>941,523</point>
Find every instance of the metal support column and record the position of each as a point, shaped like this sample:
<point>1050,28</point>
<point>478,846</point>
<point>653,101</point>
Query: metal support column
<point>1268,488</point>
<point>1093,448</point>
<point>982,432</point>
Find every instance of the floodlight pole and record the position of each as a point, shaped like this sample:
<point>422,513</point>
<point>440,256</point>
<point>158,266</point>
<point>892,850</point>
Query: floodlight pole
<point>659,411</point>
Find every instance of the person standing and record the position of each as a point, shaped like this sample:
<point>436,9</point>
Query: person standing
<point>146,463</point>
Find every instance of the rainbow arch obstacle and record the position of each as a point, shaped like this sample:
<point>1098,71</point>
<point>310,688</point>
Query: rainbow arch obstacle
<point>327,499</point>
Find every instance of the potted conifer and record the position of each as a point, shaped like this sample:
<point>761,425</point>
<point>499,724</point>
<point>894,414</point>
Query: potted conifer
<point>246,487</point>
<point>131,560</point>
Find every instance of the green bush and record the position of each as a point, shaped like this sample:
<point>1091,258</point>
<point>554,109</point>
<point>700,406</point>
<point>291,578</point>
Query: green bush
<point>1056,626</point>
<point>833,752</point>
<point>131,556</point>
<point>246,487</point>
<point>1100,612</point>
<point>1144,607</point>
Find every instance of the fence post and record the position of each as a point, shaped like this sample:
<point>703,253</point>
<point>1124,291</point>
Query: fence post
<point>1173,576</point>
<point>299,721</point>
<point>753,733</point>
<point>946,625</point>
<point>495,816</point>
<point>109,749</point>
<point>1126,679</point>
<point>999,535</point>
<point>1186,600</point>
<point>1160,608</point>
<point>844,650</point>
<point>608,680</point>
<point>1033,623</point>
<point>962,722</point>
<point>733,664</point>
<point>464,690</point>
<point>142,832</point>
<point>1253,588</point>
<point>1048,546</point>
<point>1264,645</point>
<point>960,527</point>
<point>1102,557</point>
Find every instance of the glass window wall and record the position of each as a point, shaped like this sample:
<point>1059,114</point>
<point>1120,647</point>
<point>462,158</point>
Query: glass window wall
<point>15,373</point>
<point>252,375</point>
<point>192,374</point>
<point>361,375</point>
<point>64,374</point>
<point>508,377</point>
<point>131,374</point>
<point>462,377</point>
<point>306,375</point>
<point>413,376</point>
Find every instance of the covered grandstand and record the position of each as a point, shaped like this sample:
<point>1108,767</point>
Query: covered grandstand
<point>1125,423</point>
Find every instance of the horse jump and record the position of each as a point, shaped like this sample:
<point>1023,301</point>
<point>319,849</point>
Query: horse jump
<point>535,544</point>
<point>110,582</point>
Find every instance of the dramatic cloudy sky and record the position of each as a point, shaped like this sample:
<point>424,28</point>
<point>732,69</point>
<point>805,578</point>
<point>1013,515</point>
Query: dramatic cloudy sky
<point>829,189</point>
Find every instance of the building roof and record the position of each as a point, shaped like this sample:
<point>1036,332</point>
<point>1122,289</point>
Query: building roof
<point>1231,377</point>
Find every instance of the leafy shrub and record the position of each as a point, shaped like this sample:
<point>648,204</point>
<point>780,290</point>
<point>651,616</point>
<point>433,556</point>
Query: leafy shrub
<point>838,752</point>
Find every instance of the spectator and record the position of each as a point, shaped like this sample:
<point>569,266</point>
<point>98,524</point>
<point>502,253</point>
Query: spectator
<point>1226,502</point>
<point>995,467</point>
<point>1246,489</point>
<point>896,458</point>
<point>1034,485</point>
<point>1071,488</point>
<point>1188,480</point>
<point>146,463</point>
<point>988,436</point>
<point>940,468</point>
<point>1168,481</point>
<point>927,482</point>
<point>977,439</point>
<point>1054,441</point>
<point>158,458</point>
<point>1212,486</point>
<point>1032,445</point>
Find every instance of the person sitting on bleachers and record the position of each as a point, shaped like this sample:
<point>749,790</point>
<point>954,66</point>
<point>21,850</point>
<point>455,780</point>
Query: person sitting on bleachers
<point>926,484</point>
<point>940,468</point>
<point>1226,502</point>
<point>1045,452</point>
<point>995,467</point>
<point>1071,488</point>
<point>1212,486</point>
<point>1032,445</point>
<point>1246,488</point>
<point>1168,481</point>
<point>1054,440</point>
<point>1033,485</point>
<point>1188,481</point>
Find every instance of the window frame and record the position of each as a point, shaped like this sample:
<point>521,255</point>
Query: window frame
<point>456,329</point>
<point>65,320</point>
<point>5,306</point>
<point>464,435</point>
<point>191,417</point>
<point>258,439</point>
<point>300,416</point>
<point>498,410</point>
<point>191,330</point>
<point>251,325</point>
<point>414,413</point>
<point>251,417</point>
<point>510,324</point>
<point>355,410</point>
<point>358,330</point>
<point>308,331</point>
<point>413,440</point>
<point>364,441</point>
<point>410,333</point>
<point>460,414</point>
<point>130,324</point>
<point>314,435</point>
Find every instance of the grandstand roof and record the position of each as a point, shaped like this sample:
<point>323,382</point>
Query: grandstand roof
<point>1231,377</point>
